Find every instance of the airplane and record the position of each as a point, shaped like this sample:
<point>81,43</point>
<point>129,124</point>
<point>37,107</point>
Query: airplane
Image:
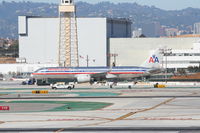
<point>91,74</point>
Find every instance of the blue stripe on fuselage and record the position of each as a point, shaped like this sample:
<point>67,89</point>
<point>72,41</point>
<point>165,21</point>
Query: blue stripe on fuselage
<point>97,70</point>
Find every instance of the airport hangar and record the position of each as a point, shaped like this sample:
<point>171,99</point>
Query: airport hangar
<point>97,37</point>
<point>39,39</point>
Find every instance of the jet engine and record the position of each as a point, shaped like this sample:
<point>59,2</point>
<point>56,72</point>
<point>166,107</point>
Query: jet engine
<point>83,78</point>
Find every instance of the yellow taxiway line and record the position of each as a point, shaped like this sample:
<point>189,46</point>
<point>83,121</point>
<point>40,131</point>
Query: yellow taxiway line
<point>129,114</point>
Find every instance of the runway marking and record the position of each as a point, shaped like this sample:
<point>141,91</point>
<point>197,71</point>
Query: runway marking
<point>71,119</point>
<point>8,101</point>
<point>125,116</point>
<point>49,120</point>
<point>194,93</point>
<point>62,129</point>
<point>181,115</point>
<point>119,109</point>
<point>161,118</point>
<point>27,121</point>
<point>130,114</point>
<point>183,106</point>
<point>3,94</point>
<point>89,117</point>
<point>144,110</point>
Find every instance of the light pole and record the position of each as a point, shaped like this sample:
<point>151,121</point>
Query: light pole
<point>166,67</point>
<point>115,59</point>
<point>87,60</point>
<point>165,52</point>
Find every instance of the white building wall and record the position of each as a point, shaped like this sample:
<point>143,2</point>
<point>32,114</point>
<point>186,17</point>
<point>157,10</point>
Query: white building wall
<point>92,41</point>
<point>40,44</point>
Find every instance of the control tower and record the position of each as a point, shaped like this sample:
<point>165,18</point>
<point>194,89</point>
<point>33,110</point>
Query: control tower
<point>68,41</point>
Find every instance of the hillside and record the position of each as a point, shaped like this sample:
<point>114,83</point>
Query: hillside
<point>140,15</point>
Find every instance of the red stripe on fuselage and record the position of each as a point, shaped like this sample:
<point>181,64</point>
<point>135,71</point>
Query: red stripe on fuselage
<point>86,73</point>
<point>126,72</point>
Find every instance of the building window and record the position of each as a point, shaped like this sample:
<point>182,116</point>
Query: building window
<point>184,54</point>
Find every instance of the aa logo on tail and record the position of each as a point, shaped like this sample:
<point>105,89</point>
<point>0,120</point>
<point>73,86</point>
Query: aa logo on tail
<point>153,59</point>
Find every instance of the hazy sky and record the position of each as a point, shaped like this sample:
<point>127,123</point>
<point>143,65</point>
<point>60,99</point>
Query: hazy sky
<point>163,4</point>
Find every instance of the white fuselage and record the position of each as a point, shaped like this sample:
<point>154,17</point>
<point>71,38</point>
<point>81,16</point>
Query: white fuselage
<point>73,73</point>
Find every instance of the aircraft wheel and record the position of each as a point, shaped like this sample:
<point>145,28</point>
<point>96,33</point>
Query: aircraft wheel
<point>69,87</point>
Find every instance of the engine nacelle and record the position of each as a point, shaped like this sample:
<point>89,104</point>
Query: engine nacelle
<point>83,78</point>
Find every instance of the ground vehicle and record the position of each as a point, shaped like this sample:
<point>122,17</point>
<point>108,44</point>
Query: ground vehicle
<point>62,85</point>
<point>29,82</point>
<point>121,85</point>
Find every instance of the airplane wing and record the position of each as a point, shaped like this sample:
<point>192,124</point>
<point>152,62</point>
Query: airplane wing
<point>100,75</point>
<point>155,71</point>
<point>104,75</point>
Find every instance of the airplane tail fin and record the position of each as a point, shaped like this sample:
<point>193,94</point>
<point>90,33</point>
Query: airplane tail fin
<point>154,60</point>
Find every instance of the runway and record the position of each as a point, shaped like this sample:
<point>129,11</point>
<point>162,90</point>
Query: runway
<point>168,110</point>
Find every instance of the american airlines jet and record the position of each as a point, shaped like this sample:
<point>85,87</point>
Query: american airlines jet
<point>89,74</point>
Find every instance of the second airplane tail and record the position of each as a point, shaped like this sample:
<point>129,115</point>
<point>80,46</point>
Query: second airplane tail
<point>154,60</point>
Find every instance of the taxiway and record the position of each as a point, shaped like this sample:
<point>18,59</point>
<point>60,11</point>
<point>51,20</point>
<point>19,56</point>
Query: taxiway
<point>102,109</point>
